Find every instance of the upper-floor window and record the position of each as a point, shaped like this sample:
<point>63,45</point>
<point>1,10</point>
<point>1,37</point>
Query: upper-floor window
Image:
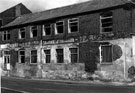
<point>47,29</point>
<point>33,56</point>
<point>73,25</point>
<point>6,35</point>
<point>106,22</point>
<point>0,22</point>
<point>22,33</point>
<point>59,27</point>
<point>34,30</point>
<point>22,56</point>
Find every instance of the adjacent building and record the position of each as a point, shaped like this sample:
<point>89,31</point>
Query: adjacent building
<point>97,35</point>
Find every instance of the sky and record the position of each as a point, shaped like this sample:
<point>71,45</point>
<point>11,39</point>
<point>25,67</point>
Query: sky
<point>37,5</point>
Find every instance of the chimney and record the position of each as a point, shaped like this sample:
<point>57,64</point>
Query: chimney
<point>18,10</point>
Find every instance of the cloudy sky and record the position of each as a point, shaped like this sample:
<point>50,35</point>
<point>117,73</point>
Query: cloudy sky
<point>37,5</point>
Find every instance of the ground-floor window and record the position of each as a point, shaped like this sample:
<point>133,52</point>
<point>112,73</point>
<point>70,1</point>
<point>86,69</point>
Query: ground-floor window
<point>74,55</point>
<point>33,56</point>
<point>22,56</point>
<point>6,58</point>
<point>48,56</point>
<point>106,53</point>
<point>60,56</point>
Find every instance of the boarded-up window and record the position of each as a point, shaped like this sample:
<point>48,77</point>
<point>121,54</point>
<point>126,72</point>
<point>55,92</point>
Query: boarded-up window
<point>33,56</point>
<point>60,56</point>
<point>6,35</point>
<point>73,25</point>
<point>106,20</point>
<point>22,56</point>
<point>48,56</point>
<point>74,55</point>
<point>59,27</point>
<point>22,33</point>
<point>47,29</point>
<point>33,31</point>
<point>106,53</point>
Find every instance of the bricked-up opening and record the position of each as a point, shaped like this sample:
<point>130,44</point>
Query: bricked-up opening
<point>48,56</point>
<point>74,55</point>
<point>60,56</point>
<point>59,27</point>
<point>6,35</point>
<point>106,22</point>
<point>33,56</point>
<point>73,25</point>
<point>22,56</point>
<point>34,31</point>
<point>22,33</point>
<point>106,53</point>
<point>47,29</point>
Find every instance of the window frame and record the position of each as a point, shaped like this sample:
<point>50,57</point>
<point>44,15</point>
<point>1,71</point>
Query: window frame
<point>44,31</point>
<point>19,56</point>
<point>7,56</point>
<point>57,55</point>
<point>31,56</point>
<point>47,55</point>
<point>101,56</point>
<point>20,37</point>
<point>69,28</point>
<point>7,32</point>
<point>31,31</point>
<point>106,17</point>
<point>76,53</point>
<point>56,30</point>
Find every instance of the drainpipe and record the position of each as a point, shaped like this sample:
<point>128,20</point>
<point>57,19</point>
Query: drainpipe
<point>125,60</point>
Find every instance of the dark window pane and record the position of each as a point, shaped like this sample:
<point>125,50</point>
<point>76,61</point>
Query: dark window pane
<point>8,36</point>
<point>5,37</point>
<point>60,57</point>
<point>107,24</point>
<point>22,34</point>
<point>22,52</point>
<point>22,59</point>
<point>48,31</point>
<point>74,58</point>
<point>33,59</point>
<point>60,29</point>
<point>107,29</point>
<point>34,33</point>
<point>48,58</point>
<point>47,52</point>
<point>34,52</point>
<point>74,28</point>
<point>106,20</point>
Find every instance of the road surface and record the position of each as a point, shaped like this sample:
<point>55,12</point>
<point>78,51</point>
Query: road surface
<point>15,85</point>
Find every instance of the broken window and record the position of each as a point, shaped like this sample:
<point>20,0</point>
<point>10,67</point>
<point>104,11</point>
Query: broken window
<point>33,56</point>
<point>33,31</point>
<point>74,55</point>
<point>47,29</point>
<point>60,56</point>
<point>22,56</point>
<point>59,27</point>
<point>22,33</point>
<point>106,53</point>
<point>106,20</point>
<point>73,25</point>
<point>48,56</point>
<point>6,35</point>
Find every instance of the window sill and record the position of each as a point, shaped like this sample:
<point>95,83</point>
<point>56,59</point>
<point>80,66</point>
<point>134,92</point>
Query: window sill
<point>106,63</point>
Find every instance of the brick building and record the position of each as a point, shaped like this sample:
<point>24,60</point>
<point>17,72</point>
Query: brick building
<point>90,36</point>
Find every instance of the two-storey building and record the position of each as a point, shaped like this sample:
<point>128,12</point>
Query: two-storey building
<point>94,35</point>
